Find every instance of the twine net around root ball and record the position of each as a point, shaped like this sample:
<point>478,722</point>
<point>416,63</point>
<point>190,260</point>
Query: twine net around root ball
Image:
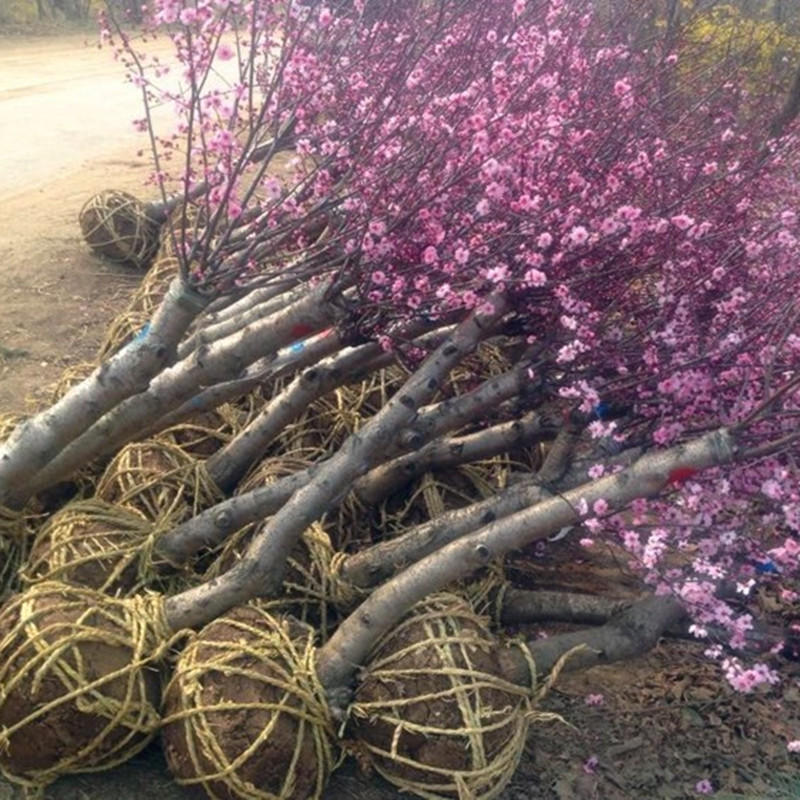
<point>432,711</point>
<point>116,225</point>
<point>80,686</point>
<point>245,716</point>
<point>328,421</point>
<point>159,480</point>
<point>95,544</point>
<point>15,541</point>
<point>205,432</point>
<point>311,591</point>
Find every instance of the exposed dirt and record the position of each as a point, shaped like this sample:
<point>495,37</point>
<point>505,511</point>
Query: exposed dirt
<point>56,298</point>
<point>667,721</point>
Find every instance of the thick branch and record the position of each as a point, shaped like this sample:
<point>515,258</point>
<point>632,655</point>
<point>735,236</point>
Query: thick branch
<point>35,444</point>
<point>261,569</point>
<point>455,412</point>
<point>522,606</point>
<point>211,527</point>
<point>376,564</point>
<point>178,384</point>
<point>374,487</point>
<point>228,466</point>
<point>626,635</point>
<point>648,477</point>
<point>272,300</point>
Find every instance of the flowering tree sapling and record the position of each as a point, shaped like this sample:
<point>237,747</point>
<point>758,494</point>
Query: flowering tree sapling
<point>505,171</point>
<point>632,240</point>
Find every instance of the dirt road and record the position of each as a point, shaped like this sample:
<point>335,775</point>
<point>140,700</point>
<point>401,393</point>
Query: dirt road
<point>63,102</point>
<point>65,133</point>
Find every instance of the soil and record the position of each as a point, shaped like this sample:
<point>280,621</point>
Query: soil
<point>666,721</point>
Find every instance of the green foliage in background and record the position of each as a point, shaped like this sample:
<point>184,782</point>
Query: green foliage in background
<point>765,48</point>
<point>28,12</point>
<point>18,12</point>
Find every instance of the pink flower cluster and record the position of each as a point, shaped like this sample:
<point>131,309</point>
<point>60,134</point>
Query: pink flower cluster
<point>648,247</point>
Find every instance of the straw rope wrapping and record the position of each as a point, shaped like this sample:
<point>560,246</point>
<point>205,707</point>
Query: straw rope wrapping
<point>159,480</point>
<point>245,716</point>
<point>205,432</point>
<point>98,545</point>
<point>15,540</point>
<point>432,710</point>
<point>312,592</point>
<point>116,225</point>
<point>79,685</point>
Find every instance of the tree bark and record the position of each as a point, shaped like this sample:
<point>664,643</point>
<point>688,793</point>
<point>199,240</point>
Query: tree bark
<point>648,477</point>
<point>222,360</point>
<point>628,634</point>
<point>260,571</point>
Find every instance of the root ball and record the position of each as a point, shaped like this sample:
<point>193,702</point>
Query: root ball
<point>116,226</point>
<point>244,714</point>
<point>93,544</point>
<point>432,710</point>
<point>80,689</point>
<point>311,591</point>
<point>157,479</point>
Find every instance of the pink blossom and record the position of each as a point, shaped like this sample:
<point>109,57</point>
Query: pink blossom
<point>544,241</point>
<point>535,277</point>
<point>682,221</point>
<point>429,255</point>
<point>591,765</point>
<point>600,507</point>
<point>622,87</point>
<point>594,700</point>
<point>793,746</point>
<point>497,274</point>
<point>578,235</point>
<point>704,787</point>
<point>609,226</point>
<point>482,208</point>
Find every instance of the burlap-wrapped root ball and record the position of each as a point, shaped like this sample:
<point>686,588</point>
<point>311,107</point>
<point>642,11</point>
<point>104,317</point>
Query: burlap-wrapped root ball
<point>159,480</point>
<point>244,715</point>
<point>94,544</point>
<point>80,685</point>
<point>116,225</point>
<point>432,710</point>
